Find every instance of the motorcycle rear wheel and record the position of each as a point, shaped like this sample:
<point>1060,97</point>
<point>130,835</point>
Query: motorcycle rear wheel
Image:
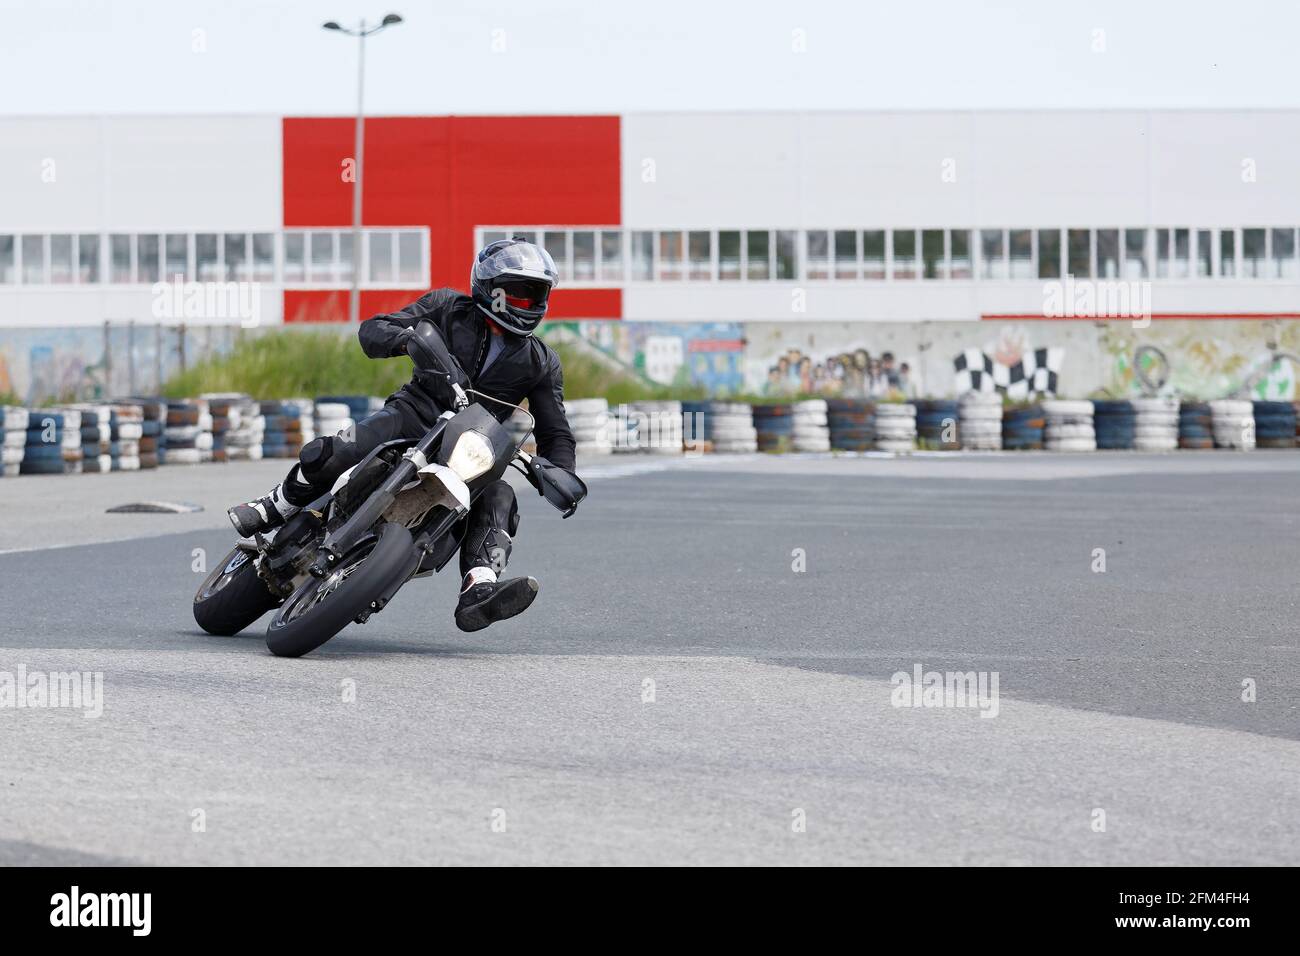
<point>319,609</point>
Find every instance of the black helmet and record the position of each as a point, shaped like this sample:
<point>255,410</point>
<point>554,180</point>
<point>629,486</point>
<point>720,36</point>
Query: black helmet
<point>512,280</point>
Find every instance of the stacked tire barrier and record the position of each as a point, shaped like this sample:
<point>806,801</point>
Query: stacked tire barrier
<point>53,443</point>
<point>96,439</point>
<point>1023,428</point>
<point>222,406</point>
<point>980,421</point>
<point>1114,424</point>
<point>809,428</point>
<point>720,427</point>
<point>189,432</point>
<point>1275,424</point>
<point>895,427</point>
<point>1069,426</point>
<point>289,424</point>
<point>245,429</point>
<point>589,421</point>
<point>13,439</point>
<point>852,423</point>
<point>1157,425</point>
<point>936,424</point>
<point>126,425</point>
<point>656,427</point>
<point>334,417</point>
<point>1195,425</point>
<point>153,432</point>
<point>774,427</point>
<point>1233,423</point>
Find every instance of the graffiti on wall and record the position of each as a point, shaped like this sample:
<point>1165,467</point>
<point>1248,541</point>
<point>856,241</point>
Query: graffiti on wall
<point>694,354</point>
<point>1009,366</point>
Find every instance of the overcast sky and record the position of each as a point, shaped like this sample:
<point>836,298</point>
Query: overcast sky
<point>615,56</point>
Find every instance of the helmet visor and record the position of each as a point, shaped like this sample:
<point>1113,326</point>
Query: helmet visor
<point>524,293</point>
<point>519,257</point>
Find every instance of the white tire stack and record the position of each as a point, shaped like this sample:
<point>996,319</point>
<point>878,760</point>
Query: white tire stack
<point>1069,426</point>
<point>980,421</point>
<point>1233,422</point>
<point>13,429</point>
<point>589,421</point>
<point>332,418</point>
<point>728,426</point>
<point>96,439</point>
<point>247,428</point>
<point>895,427</point>
<point>810,427</point>
<point>1156,423</point>
<point>658,426</point>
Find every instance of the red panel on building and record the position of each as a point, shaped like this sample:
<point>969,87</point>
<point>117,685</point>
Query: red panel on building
<point>452,174</point>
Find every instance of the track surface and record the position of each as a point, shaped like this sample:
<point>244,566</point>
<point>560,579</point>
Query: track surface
<point>1119,691</point>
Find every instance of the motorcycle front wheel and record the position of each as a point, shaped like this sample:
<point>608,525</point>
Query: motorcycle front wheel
<point>320,608</point>
<point>232,596</point>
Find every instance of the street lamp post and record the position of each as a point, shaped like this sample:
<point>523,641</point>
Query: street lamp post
<point>392,19</point>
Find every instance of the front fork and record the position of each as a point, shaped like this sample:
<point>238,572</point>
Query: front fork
<point>342,539</point>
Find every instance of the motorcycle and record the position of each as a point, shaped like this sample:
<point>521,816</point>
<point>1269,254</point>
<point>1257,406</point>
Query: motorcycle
<point>396,515</point>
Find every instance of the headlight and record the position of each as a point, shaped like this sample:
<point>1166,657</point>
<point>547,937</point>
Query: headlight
<point>471,457</point>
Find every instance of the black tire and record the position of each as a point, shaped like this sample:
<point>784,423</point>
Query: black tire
<point>232,596</point>
<point>312,615</point>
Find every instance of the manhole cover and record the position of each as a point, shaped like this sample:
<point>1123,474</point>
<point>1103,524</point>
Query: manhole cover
<point>156,508</point>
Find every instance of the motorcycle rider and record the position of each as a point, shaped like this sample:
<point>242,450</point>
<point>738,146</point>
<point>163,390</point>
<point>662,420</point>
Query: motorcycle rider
<point>490,335</point>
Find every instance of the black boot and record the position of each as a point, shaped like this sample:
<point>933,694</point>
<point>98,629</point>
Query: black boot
<point>262,514</point>
<point>481,604</point>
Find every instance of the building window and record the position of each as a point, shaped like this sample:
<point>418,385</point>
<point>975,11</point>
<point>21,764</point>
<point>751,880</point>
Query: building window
<point>60,259</point>
<point>873,254</point>
<point>1020,252</point>
<point>1204,253</point>
<point>643,255</point>
<point>88,258</point>
<point>787,256</point>
<point>611,256</point>
<point>1284,264</point>
<point>817,263</point>
<point>729,254</point>
<point>234,256</point>
<point>904,253</point>
<point>670,256</point>
<point>33,260</point>
<point>493,236</point>
<point>556,243</point>
<point>1252,253</point>
<point>993,254</point>
<point>119,258</point>
<point>959,246</point>
<point>206,266</point>
<point>320,257</point>
<point>699,247</point>
<point>1078,253</point>
<point>846,253</point>
<point>176,257</point>
<point>8,261</point>
<point>149,259</point>
<point>411,259</point>
<point>382,264</point>
<point>294,257</point>
<point>1135,254</point>
<point>584,256</point>
<point>1228,253</point>
<point>1049,253</point>
<point>346,261</point>
<point>932,260</point>
<point>758,255</point>
<point>1108,253</point>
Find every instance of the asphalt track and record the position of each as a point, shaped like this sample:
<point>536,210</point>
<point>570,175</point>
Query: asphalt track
<point>536,741</point>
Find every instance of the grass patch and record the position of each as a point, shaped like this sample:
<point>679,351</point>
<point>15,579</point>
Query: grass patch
<point>289,364</point>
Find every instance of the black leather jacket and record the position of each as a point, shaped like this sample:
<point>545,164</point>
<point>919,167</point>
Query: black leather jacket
<point>524,368</point>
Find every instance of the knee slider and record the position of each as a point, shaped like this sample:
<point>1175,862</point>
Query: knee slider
<point>315,455</point>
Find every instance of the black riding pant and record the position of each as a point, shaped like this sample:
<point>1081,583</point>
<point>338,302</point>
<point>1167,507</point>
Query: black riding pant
<point>493,518</point>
